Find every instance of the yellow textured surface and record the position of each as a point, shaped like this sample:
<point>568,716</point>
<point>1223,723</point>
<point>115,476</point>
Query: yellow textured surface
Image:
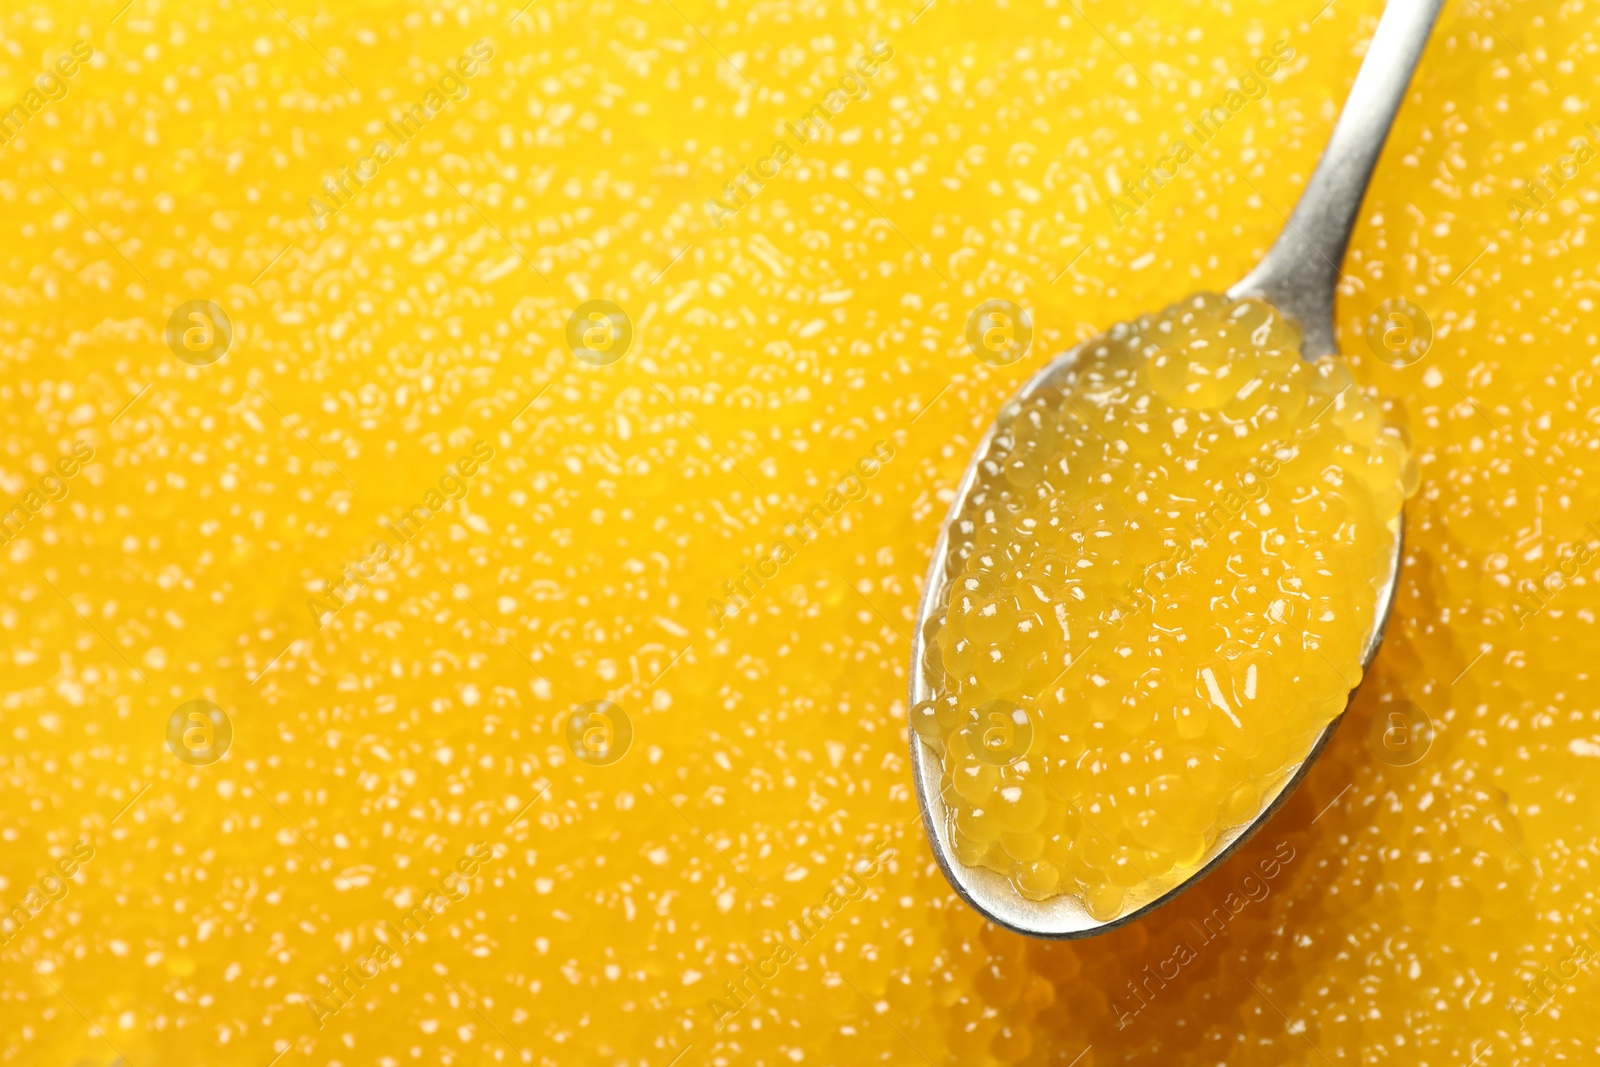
<point>1170,562</point>
<point>1389,914</point>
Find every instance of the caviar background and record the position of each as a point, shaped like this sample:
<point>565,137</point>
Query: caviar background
<point>768,756</point>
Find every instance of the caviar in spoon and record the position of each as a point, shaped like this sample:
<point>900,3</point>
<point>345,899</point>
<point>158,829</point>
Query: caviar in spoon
<point>1161,584</point>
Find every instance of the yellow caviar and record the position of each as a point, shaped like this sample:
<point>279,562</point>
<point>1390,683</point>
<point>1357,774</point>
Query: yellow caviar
<point>1169,563</point>
<point>1409,904</point>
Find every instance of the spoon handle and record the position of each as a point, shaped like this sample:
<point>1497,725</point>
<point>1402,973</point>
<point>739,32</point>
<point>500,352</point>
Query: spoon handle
<point>1301,269</point>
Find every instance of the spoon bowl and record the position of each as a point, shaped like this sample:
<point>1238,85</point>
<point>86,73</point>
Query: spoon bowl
<point>988,892</point>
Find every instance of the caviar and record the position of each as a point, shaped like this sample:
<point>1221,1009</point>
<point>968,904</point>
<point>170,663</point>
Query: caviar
<point>1387,913</point>
<point>1170,562</point>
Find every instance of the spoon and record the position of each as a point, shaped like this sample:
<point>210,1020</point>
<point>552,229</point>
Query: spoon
<point>1297,276</point>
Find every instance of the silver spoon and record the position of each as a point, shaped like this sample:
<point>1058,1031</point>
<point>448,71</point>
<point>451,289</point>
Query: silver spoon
<point>1297,276</point>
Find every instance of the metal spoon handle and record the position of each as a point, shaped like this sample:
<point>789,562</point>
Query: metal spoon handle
<point>1299,272</point>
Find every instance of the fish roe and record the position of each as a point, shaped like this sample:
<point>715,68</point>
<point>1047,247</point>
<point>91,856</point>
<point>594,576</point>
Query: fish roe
<point>1170,561</point>
<point>1412,903</point>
